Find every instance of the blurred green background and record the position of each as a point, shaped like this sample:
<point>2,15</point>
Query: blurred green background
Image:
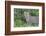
<point>20,20</point>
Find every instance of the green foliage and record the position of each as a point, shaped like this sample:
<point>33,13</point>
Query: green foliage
<point>19,18</point>
<point>35,12</point>
<point>19,23</point>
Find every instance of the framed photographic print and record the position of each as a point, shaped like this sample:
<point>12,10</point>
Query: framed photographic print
<point>24,17</point>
